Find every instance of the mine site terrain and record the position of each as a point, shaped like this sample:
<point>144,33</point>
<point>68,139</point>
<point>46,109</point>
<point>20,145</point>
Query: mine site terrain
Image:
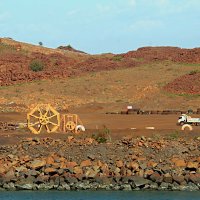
<point>126,107</point>
<point>152,79</point>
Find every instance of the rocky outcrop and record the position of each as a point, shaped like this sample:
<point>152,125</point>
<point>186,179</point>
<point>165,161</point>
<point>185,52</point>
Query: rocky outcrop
<point>187,84</point>
<point>70,48</point>
<point>173,54</point>
<point>15,59</point>
<point>80,164</point>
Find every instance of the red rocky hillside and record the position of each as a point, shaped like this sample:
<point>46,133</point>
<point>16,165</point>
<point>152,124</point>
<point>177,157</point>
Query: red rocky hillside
<point>16,57</point>
<point>187,84</point>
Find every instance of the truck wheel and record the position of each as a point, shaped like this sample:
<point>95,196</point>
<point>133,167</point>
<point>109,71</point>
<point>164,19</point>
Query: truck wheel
<point>182,123</point>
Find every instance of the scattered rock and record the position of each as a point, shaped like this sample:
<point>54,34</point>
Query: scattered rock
<point>37,164</point>
<point>133,168</point>
<point>179,162</point>
<point>192,165</point>
<point>139,181</point>
<point>86,163</point>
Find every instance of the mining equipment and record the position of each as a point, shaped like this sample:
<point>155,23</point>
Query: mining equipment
<point>71,123</point>
<point>45,117</point>
<point>186,119</point>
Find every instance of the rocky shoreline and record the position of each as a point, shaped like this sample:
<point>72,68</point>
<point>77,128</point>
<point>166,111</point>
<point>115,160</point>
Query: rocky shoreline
<point>86,164</point>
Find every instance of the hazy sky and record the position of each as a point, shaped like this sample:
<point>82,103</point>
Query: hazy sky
<point>98,26</point>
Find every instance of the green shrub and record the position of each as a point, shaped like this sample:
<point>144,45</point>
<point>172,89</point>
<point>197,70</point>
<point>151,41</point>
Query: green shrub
<point>36,65</point>
<point>103,135</point>
<point>69,46</point>
<point>193,72</point>
<point>99,137</point>
<point>117,58</point>
<point>40,43</point>
<point>101,140</point>
<point>174,135</point>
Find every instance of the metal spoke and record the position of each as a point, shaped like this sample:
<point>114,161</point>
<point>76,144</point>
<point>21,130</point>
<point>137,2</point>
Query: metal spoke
<point>34,124</point>
<point>51,116</point>
<point>48,130</point>
<point>34,116</point>
<point>53,123</point>
<point>46,112</point>
<point>40,128</point>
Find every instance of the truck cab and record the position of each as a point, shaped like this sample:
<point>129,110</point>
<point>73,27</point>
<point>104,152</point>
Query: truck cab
<point>182,120</point>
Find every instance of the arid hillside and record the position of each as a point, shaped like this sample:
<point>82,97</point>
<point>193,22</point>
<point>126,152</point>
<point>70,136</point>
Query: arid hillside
<point>149,78</point>
<point>187,84</point>
<point>16,59</point>
<point>173,54</point>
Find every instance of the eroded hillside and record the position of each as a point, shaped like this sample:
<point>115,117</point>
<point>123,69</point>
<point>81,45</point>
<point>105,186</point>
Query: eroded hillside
<point>149,78</point>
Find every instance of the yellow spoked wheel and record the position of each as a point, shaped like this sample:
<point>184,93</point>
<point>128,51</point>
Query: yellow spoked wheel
<point>43,116</point>
<point>70,126</point>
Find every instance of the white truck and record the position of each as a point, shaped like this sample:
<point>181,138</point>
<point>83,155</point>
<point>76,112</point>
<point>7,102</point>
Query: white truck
<point>185,119</point>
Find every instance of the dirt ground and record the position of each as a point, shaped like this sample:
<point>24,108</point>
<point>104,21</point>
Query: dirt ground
<point>139,86</point>
<point>118,125</point>
<point>91,85</point>
<point>114,121</point>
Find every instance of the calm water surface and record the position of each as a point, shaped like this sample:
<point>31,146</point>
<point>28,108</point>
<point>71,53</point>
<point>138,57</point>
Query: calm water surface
<point>99,195</point>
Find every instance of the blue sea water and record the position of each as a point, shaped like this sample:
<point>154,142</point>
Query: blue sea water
<point>99,195</point>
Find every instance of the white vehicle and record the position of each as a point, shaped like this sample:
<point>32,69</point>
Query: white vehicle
<point>185,119</point>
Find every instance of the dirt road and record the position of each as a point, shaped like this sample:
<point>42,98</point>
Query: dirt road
<point>114,121</point>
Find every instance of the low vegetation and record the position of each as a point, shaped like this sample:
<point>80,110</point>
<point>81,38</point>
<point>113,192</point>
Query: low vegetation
<point>194,72</point>
<point>4,48</point>
<point>36,65</point>
<point>102,135</point>
<point>117,58</point>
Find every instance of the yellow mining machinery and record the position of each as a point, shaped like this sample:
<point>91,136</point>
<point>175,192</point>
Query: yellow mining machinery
<point>71,123</point>
<point>45,117</point>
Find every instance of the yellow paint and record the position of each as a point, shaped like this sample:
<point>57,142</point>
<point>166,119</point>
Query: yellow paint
<point>43,115</point>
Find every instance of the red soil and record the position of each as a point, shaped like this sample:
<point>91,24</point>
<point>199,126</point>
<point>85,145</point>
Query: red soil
<point>174,54</point>
<point>16,58</point>
<point>187,84</point>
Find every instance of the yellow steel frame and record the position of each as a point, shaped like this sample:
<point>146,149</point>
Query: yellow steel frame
<point>69,123</point>
<point>43,115</point>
